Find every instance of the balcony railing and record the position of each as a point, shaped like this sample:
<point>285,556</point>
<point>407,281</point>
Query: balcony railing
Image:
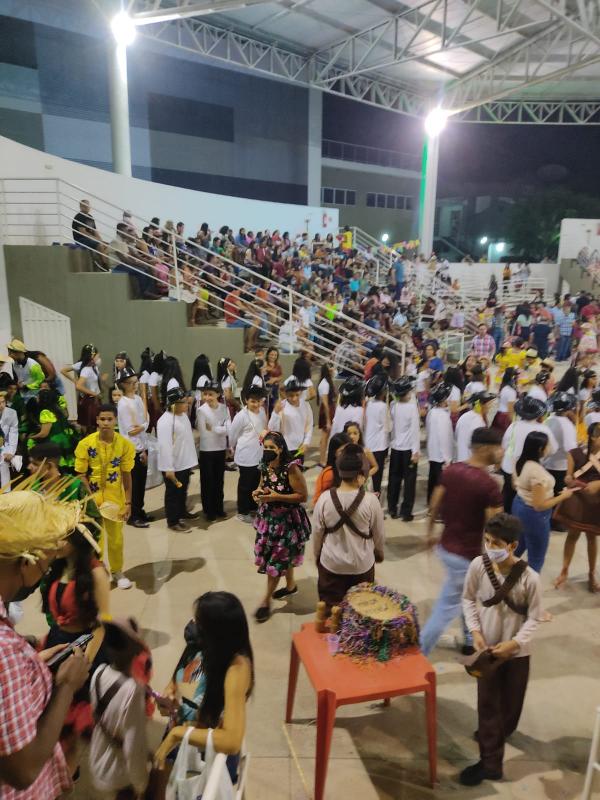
<point>364,154</point>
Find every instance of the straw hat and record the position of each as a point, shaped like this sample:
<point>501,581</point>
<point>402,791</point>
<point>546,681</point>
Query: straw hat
<point>17,346</point>
<point>33,522</point>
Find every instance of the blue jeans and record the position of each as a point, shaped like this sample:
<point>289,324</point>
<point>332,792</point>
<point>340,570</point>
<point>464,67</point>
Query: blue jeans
<point>536,533</point>
<point>563,348</point>
<point>498,337</point>
<point>449,603</point>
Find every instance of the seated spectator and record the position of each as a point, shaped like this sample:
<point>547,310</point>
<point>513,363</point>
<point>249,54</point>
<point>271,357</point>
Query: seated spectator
<point>84,229</point>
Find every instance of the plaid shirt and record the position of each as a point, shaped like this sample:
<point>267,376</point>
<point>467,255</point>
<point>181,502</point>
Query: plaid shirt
<point>483,346</point>
<point>25,691</point>
<point>565,322</point>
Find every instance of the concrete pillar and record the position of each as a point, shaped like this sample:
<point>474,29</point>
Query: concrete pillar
<point>315,139</point>
<point>429,174</point>
<point>119,109</point>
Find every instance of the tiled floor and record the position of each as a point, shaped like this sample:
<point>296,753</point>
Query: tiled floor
<point>376,752</point>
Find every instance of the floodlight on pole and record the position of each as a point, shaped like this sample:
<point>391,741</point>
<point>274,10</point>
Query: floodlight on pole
<point>435,121</point>
<point>500,247</point>
<point>123,28</point>
<point>385,237</point>
<point>483,240</point>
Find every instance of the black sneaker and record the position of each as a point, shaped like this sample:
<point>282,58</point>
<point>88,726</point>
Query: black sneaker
<point>407,517</point>
<point>476,774</point>
<point>147,517</point>
<point>138,523</point>
<point>393,514</point>
<point>222,515</point>
<point>262,614</point>
<point>190,515</point>
<point>285,592</point>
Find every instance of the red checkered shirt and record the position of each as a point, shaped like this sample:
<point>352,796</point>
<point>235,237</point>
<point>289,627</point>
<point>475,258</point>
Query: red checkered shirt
<point>25,691</point>
<point>483,346</point>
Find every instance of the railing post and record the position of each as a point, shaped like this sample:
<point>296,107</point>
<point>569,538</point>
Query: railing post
<point>58,214</point>
<point>291,320</point>
<point>175,267</point>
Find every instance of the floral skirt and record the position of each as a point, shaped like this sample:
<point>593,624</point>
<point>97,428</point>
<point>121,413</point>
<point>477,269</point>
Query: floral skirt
<point>281,534</point>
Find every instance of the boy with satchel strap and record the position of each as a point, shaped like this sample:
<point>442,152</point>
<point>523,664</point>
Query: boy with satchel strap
<point>502,605</point>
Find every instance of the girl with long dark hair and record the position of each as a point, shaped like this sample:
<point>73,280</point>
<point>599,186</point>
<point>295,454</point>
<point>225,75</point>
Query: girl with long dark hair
<point>201,374</point>
<point>301,372</point>
<point>329,476</point>
<point>121,362</point>
<point>327,395</point>
<point>535,499</point>
<point>274,376</point>
<point>75,594</point>
<point>172,378</point>
<point>227,380</point>
<point>506,400</point>
<point>255,376</point>
<point>580,513</point>
<point>89,386</point>
<point>221,636</point>
<point>282,524</point>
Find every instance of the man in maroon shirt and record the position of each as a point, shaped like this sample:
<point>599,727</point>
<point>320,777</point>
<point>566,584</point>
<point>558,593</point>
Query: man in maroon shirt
<point>465,498</point>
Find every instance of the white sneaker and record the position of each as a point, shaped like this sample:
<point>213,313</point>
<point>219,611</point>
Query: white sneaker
<point>248,518</point>
<point>122,581</point>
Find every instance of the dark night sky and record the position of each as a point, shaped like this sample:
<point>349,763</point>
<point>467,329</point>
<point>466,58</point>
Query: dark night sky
<point>478,153</point>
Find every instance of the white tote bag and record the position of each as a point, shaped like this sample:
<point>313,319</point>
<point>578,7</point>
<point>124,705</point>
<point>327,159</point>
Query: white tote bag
<point>190,773</point>
<point>154,476</point>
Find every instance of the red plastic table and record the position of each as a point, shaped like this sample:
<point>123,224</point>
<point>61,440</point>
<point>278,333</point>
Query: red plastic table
<point>340,681</point>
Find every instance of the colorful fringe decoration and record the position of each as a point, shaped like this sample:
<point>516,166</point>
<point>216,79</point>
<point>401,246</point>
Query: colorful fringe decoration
<point>377,623</point>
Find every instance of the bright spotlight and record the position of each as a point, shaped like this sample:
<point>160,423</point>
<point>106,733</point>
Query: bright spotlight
<point>435,121</point>
<point>123,28</point>
<point>385,237</point>
<point>483,240</point>
<point>500,247</point>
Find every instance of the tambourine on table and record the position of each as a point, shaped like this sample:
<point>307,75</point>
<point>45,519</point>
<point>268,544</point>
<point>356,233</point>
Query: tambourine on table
<point>339,680</point>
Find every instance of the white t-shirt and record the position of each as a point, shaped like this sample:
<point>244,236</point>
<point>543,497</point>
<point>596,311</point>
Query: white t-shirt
<point>454,396</point>
<point>474,387</point>
<point>172,383</point>
<point>538,392</point>
<point>566,436</point>
<point>90,376</point>
<point>218,420</point>
<point>593,416</point>
<point>508,394</point>
<point>244,437</point>
<point>377,426</point>
<point>144,377</point>
<point>176,448</point>
<point>154,379</point>
<point>514,439</point>
<point>465,426</point>
<point>323,390</point>
<point>343,415</point>
<point>131,413</point>
<point>422,378</point>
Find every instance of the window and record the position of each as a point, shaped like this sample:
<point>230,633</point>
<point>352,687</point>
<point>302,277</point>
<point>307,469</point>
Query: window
<point>409,203</point>
<point>370,200</point>
<point>380,201</point>
<point>391,201</point>
<point>400,202</point>
<point>341,197</point>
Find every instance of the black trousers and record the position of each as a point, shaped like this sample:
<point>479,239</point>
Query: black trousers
<point>212,475</point>
<point>402,469</point>
<point>499,704</point>
<point>508,493</point>
<point>138,487</point>
<point>380,457</point>
<point>435,470</point>
<point>247,483</point>
<point>176,497</point>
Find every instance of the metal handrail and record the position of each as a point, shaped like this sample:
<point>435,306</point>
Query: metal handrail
<point>391,342</point>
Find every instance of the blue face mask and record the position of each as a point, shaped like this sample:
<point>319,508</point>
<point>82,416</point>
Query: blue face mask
<point>496,555</point>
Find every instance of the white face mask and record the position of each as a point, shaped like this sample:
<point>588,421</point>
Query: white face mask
<point>497,555</point>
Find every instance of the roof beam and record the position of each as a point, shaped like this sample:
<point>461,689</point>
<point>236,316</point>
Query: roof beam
<point>552,54</point>
<point>583,18</point>
<point>522,112</point>
<point>401,32</point>
<point>192,10</point>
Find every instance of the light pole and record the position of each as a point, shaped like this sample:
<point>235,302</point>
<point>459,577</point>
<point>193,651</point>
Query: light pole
<point>435,123</point>
<point>123,29</point>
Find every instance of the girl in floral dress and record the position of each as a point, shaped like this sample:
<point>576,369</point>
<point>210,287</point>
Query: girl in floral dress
<point>282,524</point>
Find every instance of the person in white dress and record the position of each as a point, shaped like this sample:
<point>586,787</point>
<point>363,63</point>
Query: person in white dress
<point>378,424</point>
<point>440,436</point>
<point>470,421</point>
<point>133,420</point>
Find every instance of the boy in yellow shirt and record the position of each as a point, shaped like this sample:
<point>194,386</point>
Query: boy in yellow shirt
<point>103,461</point>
